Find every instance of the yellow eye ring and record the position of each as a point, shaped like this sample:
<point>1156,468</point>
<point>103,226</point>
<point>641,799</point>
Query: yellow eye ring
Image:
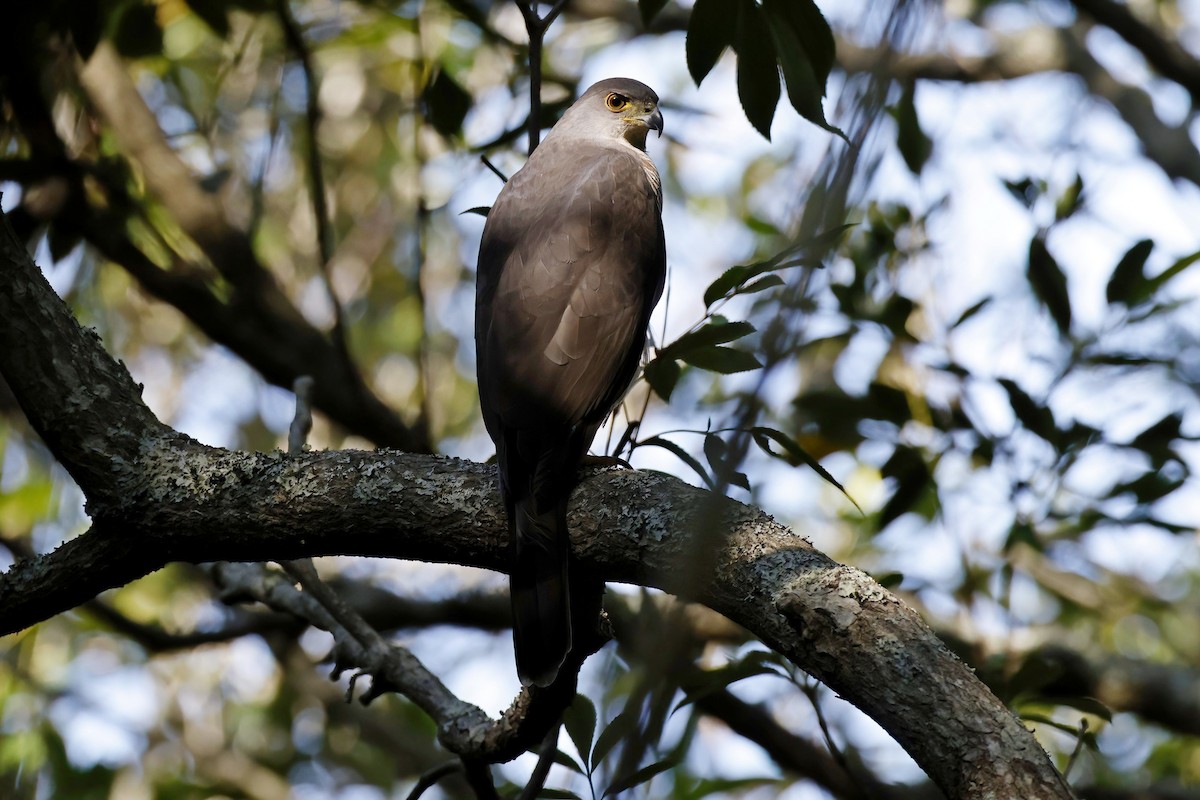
<point>616,102</point>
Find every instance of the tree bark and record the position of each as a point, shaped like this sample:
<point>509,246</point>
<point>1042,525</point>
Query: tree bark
<point>156,496</point>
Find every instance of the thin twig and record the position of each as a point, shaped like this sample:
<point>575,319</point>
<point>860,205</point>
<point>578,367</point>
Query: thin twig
<point>432,776</point>
<point>496,170</point>
<point>545,760</point>
<point>302,421</point>
<point>536,27</point>
<point>1079,740</point>
<point>312,117</point>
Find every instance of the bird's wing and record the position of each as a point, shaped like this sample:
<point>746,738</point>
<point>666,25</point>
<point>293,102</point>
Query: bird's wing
<point>571,264</point>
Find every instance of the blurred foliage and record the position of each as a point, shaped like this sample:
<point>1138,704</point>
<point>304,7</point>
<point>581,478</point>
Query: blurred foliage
<point>1018,424</point>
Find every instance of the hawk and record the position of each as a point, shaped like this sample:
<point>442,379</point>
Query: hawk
<point>571,264</point>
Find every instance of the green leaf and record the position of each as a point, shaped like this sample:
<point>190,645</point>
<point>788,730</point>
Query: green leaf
<point>616,730</point>
<point>662,374</point>
<point>716,332</point>
<point>682,455</point>
<point>722,360</point>
<point>915,147</point>
<point>757,68</point>
<point>1128,279</point>
<point>727,282</point>
<point>1158,281</point>
<point>580,721</point>
<point>446,104</point>
<point>1049,284</point>
<point>1070,201</point>
<point>710,31</point>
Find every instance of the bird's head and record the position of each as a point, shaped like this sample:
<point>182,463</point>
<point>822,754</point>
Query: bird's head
<point>617,107</point>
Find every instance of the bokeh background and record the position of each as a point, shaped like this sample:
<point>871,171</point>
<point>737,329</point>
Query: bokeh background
<point>997,359</point>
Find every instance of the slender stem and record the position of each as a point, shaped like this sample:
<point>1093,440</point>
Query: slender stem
<point>316,176</point>
<point>536,27</point>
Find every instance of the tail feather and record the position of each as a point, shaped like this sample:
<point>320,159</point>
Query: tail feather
<point>541,601</point>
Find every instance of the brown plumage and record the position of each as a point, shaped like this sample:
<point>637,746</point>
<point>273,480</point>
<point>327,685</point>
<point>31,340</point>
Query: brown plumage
<point>571,264</point>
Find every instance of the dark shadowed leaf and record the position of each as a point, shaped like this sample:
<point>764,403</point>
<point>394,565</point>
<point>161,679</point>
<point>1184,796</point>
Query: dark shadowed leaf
<point>682,455</point>
<point>1088,705</point>
<point>757,68</point>
<point>570,763</point>
<point>702,683</point>
<point>557,794</point>
<point>795,455</point>
<point>662,374</point>
<point>1128,280</point>
<point>719,457</point>
<point>643,775</point>
<point>215,14</point>
<point>729,279</point>
<point>137,34</point>
<point>723,360</point>
<point>446,104</point>
<point>908,468</point>
<point>710,31</point>
<point>86,23</point>
<point>805,46</point>
<point>1034,416</point>
<point>915,147</point>
<point>716,332</point>
<point>1025,191</point>
<point>1049,284</point>
<point>580,721</point>
<point>620,727</point>
<point>970,312</point>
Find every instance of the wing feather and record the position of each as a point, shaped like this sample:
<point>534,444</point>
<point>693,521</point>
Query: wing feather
<point>568,276</point>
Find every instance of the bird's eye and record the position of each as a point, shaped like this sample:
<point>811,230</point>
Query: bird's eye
<point>616,102</point>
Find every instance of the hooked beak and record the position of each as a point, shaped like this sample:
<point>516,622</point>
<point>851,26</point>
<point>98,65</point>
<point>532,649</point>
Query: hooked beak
<point>655,122</point>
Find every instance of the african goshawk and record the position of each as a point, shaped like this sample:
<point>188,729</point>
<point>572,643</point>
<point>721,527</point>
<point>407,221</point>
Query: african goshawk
<point>571,264</point>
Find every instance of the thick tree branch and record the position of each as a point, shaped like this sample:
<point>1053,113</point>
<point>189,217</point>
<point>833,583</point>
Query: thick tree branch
<point>166,498</point>
<point>259,322</point>
<point>1161,51</point>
